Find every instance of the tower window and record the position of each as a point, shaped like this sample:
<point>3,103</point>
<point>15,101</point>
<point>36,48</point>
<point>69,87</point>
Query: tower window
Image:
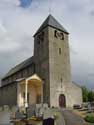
<point>62,36</point>
<point>61,80</point>
<point>60,51</point>
<point>59,35</point>
<point>55,33</point>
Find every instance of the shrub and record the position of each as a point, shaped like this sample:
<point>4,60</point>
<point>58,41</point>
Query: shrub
<point>89,118</point>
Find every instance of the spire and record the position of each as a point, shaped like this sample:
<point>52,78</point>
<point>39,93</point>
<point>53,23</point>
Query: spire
<point>52,22</point>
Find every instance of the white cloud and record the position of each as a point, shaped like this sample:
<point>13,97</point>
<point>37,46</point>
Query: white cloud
<point>2,28</point>
<point>10,2</point>
<point>8,45</point>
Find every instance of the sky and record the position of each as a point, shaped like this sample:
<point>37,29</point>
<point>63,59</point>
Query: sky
<point>19,20</point>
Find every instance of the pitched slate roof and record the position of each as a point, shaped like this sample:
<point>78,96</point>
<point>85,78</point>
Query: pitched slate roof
<point>20,66</point>
<point>51,21</point>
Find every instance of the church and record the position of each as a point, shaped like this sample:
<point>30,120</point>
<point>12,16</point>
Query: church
<point>46,76</point>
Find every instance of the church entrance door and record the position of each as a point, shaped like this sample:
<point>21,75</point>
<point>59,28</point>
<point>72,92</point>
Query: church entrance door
<point>62,101</point>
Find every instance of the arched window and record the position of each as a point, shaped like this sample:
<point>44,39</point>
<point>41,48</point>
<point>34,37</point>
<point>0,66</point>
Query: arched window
<point>55,33</point>
<point>62,36</point>
<point>60,51</point>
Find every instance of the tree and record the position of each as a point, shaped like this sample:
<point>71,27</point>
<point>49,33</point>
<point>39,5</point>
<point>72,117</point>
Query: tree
<point>91,96</point>
<point>85,94</point>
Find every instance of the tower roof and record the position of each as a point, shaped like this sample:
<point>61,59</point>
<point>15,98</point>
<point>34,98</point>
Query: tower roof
<point>52,22</point>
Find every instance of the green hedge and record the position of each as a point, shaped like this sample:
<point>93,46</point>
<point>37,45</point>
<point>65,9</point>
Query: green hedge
<point>89,118</point>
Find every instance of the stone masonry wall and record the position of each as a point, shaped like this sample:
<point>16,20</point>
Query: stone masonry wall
<point>8,95</point>
<point>41,55</point>
<point>59,64</point>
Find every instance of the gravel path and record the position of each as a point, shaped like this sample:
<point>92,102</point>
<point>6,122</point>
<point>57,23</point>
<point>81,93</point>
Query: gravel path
<point>60,120</point>
<point>72,119</point>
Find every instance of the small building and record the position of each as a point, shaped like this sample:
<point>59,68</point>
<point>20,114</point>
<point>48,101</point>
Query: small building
<point>45,77</point>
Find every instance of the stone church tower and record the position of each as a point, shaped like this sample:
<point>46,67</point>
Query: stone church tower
<point>51,52</point>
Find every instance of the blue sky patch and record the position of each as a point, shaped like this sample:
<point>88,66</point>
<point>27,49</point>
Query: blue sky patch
<point>25,3</point>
